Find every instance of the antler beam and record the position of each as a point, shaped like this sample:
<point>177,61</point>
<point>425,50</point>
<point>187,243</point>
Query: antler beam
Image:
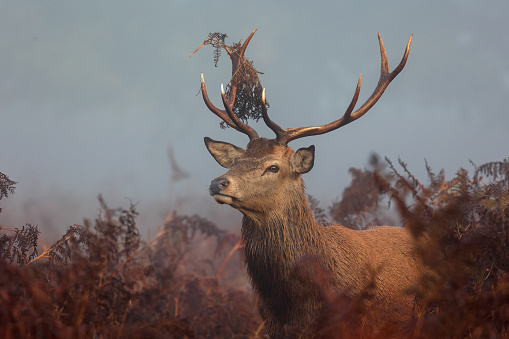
<point>284,136</point>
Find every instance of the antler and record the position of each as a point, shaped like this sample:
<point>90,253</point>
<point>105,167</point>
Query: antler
<point>284,136</point>
<point>227,115</point>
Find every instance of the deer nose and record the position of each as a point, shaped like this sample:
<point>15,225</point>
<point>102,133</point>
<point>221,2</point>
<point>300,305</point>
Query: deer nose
<point>217,185</point>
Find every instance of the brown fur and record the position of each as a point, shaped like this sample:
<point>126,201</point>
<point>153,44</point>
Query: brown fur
<point>295,264</point>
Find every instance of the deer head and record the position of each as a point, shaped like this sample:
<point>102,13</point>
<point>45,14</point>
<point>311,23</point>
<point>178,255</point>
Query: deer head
<point>268,172</point>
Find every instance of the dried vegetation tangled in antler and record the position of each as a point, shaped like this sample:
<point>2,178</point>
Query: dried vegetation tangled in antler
<point>244,88</point>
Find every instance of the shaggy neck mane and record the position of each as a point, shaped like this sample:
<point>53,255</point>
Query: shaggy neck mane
<point>275,244</point>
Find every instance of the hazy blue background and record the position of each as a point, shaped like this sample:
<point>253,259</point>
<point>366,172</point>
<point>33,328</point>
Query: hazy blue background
<point>93,92</point>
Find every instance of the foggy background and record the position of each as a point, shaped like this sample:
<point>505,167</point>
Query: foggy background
<point>92,94</point>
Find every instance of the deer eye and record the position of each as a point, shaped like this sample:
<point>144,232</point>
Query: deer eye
<point>273,169</point>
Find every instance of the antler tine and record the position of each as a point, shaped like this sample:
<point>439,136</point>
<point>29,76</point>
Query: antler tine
<point>385,78</point>
<point>220,113</point>
<point>244,45</point>
<point>244,128</point>
<point>280,133</point>
<point>290,134</point>
<point>287,135</point>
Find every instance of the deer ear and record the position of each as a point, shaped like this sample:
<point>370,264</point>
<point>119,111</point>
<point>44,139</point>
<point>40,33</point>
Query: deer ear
<point>303,160</point>
<point>224,153</point>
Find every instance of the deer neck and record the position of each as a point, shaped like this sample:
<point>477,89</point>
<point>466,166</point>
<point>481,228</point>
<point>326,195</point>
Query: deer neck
<point>276,241</point>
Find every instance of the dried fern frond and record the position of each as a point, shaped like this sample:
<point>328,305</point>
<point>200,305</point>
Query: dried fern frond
<point>6,186</point>
<point>217,41</point>
<point>248,102</point>
<point>21,246</point>
<point>498,170</point>
<point>359,205</point>
<point>60,253</point>
<point>495,197</point>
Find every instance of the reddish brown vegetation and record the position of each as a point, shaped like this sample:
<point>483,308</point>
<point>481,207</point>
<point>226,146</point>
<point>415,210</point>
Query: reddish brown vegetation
<point>101,280</point>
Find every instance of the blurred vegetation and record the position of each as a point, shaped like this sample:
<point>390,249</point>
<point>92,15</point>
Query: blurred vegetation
<point>102,280</point>
<point>461,231</point>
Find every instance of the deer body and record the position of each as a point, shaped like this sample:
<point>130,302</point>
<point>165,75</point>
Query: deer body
<point>298,267</point>
<point>286,250</point>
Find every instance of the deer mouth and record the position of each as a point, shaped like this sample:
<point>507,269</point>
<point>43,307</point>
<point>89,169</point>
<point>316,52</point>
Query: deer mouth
<point>223,199</point>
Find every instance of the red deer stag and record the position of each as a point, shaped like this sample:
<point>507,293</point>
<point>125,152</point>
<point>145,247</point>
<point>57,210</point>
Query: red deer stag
<point>285,249</point>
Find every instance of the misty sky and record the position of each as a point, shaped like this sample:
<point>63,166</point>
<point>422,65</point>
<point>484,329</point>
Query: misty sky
<point>93,92</point>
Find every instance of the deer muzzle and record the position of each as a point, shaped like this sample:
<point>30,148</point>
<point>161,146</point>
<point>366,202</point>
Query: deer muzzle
<point>216,188</point>
<point>217,185</point>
